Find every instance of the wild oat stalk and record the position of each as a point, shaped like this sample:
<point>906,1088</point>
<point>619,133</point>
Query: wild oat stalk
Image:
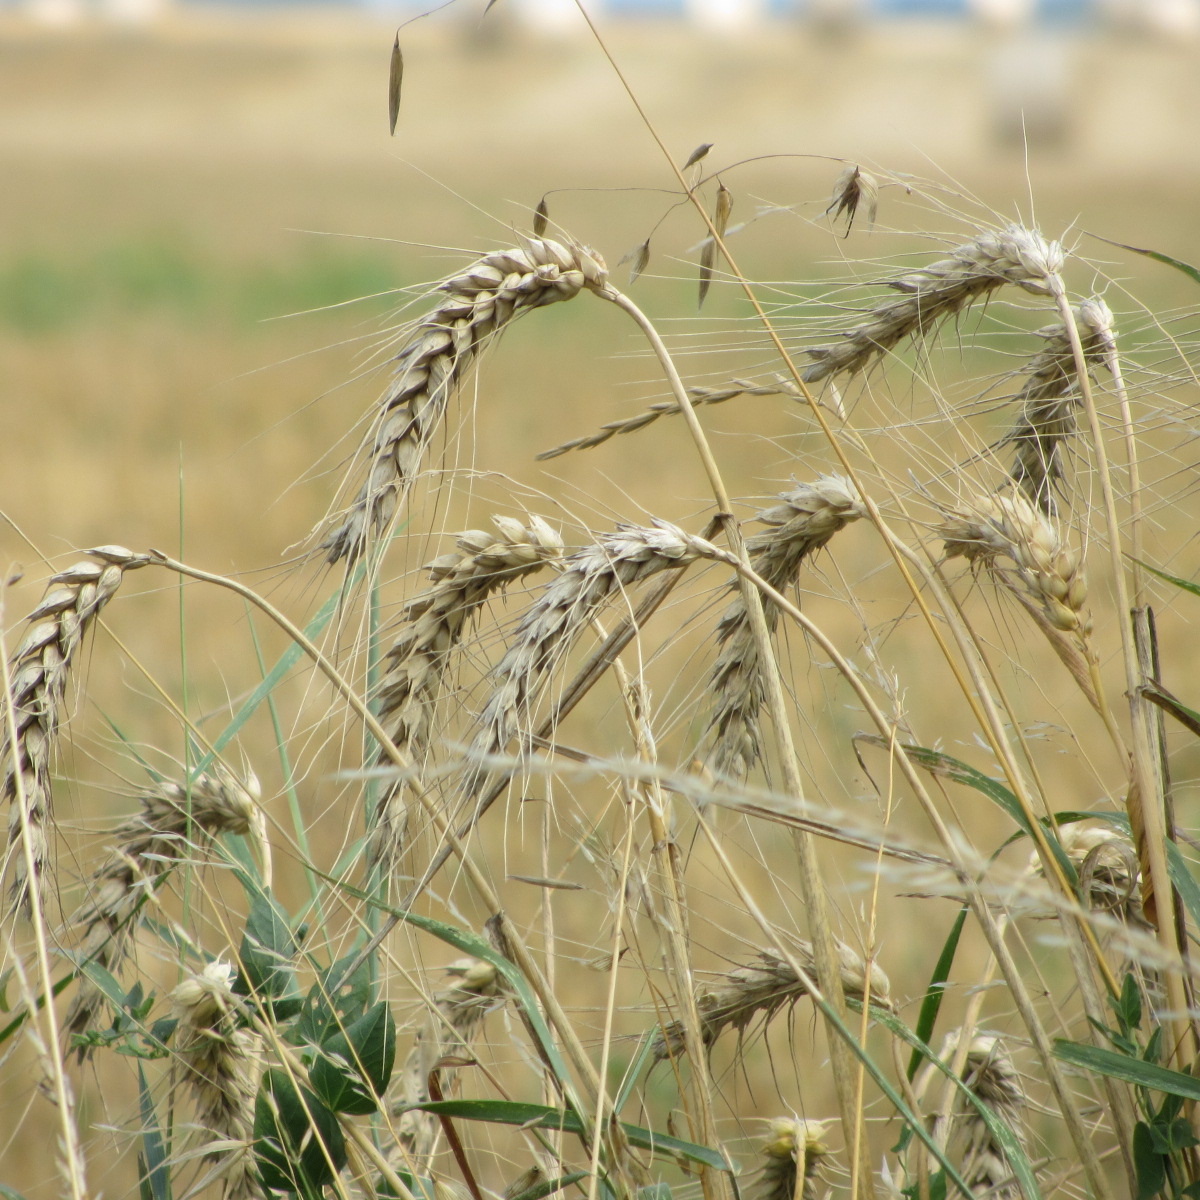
<point>762,988</point>
<point>221,1064</point>
<point>40,668</point>
<point>437,353</point>
<point>168,830</point>
<point>811,513</point>
<point>931,294</point>
<point>431,626</point>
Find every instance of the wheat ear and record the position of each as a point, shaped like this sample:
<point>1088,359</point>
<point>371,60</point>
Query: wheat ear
<point>40,668</point>
<point>1049,398</point>
<point>931,294</point>
<point>437,353</point>
<point>166,831</point>
<point>431,626</point>
<point>455,1017</point>
<point>793,1153</point>
<point>222,1062</point>
<point>809,515</point>
<point>762,988</point>
<point>589,578</point>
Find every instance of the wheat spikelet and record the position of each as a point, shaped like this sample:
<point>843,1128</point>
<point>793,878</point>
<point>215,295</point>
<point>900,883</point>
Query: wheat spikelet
<point>1049,399</point>
<point>1010,526</point>
<point>1108,869</point>
<point>989,1073</point>
<point>762,988</point>
<point>39,671</point>
<point>931,294</point>
<point>439,350</point>
<point>663,408</point>
<point>432,624</point>
<point>809,515</point>
<point>589,578</point>
<point>789,1143</point>
<point>148,845</point>
<point>454,1019</point>
<point>222,1064</point>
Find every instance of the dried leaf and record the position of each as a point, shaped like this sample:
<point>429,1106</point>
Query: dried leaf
<point>541,218</point>
<point>708,256</point>
<point>395,79</point>
<point>639,256</point>
<point>697,154</point>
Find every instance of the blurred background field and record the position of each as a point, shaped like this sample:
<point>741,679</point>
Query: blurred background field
<point>189,207</point>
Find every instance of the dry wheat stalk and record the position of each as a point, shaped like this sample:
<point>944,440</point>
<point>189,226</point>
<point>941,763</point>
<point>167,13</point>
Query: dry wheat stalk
<point>1049,399</point>
<point>222,1063</point>
<point>432,624</point>
<point>790,1143</point>
<point>663,408</point>
<point>762,988</point>
<point>169,828</point>
<point>436,355</point>
<point>39,671</point>
<point>589,578</point>
<point>809,515</point>
<point>931,294</point>
<point>989,1073</point>
<point>455,1016</point>
<point>988,528</point>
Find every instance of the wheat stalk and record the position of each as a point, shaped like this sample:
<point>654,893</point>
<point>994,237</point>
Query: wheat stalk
<point>931,294</point>
<point>39,670</point>
<point>431,626</point>
<point>437,352</point>
<point>149,844</point>
<point>809,515</point>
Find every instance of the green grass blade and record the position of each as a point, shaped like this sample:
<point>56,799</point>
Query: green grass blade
<point>1130,1070</point>
<point>936,991</point>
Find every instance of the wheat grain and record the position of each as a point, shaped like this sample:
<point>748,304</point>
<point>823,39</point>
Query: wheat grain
<point>762,988</point>
<point>431,626</point>
<point>436,355</point>
<point>39,671</point>
<point>809,515</point>
<point>931,294</point>
<point>168,828</point>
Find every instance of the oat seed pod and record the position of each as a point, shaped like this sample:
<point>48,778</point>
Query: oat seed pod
<point>38,672</point>
<point>455,1018</point>
<point>809,515</point>
<point>791,1141</point>
<point>431,627</point>
<point>589,578</point>
<point>931,294</point>
<point>1049,398</point>
<point>148,845</point>
<point>761,989</point>
<point>436,356</point>
<point>221,1065</point>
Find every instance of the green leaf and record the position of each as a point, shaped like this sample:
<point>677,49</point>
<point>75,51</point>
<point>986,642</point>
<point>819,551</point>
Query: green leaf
<point>353,1067</point>
<point>335,1001</point>
<point>511,1112</point>
<point>934,993</point>
<point>1191,272</point>
<point>7,1193</point>
<point>267,953</point>
<point>153,1171</point>
<point>298,1143</point>
<point>1158,695</point>
<point>1148,1165</point>
<point>1129,1007</point>
<point>1131,1070</point>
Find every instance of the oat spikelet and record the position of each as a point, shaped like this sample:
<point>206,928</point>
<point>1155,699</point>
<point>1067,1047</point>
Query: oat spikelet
<point>221,1062</point>
<point>589,578</point>
<point>437,354</point>
<point>1049,399</point>
<point>989,1073</point>
<point>854,187</point>
<point>1010,526</point>
<point>789,1143</point>
<point>762,988</point>
<point>664,408</point>
<point>455,1017</point>
<point>39,671</point>
<point>1108,869</point>
<point>931,294</point>
<point>809,515</point>
<point>148,845</point>
<point>431,626</point>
